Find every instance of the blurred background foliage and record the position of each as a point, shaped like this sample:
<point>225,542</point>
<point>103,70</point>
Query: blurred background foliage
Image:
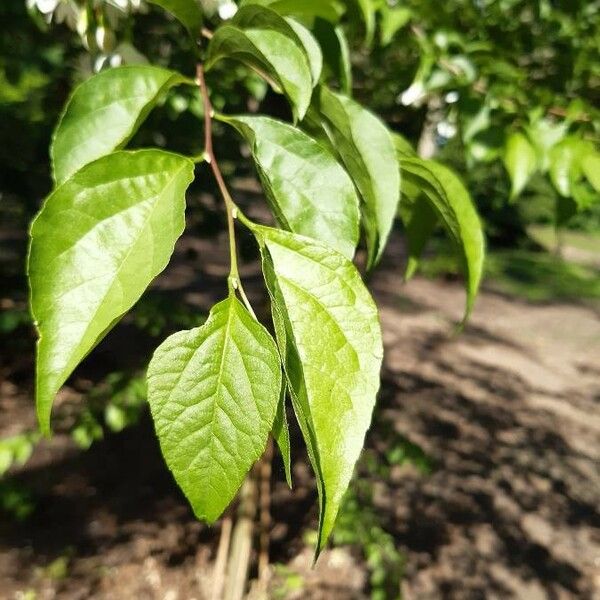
<point>504,91</point>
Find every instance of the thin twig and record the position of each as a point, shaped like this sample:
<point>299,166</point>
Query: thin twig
<point>231,208</point>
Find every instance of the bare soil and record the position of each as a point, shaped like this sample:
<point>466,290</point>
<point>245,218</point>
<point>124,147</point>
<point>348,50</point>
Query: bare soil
<point>508,411</point>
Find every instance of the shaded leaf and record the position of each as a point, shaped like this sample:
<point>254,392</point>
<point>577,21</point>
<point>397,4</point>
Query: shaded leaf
<point>318,295</point>
<point>186,12</point>
<point>367,149</point>
<point>309,192</point>
<point>392,21</point>
<point>281,434</point>
<point>332,10</point>
<point>213,393</point>
<point>336,53</point>
<point>420,219</point>
<point>103,114</point>
<point>97,243</point>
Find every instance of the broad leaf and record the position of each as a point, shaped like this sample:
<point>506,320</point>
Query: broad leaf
<point>213,393</point>
<point>104,112</point>
<point>454,207</point>
<point>367,149</point>
<point>97,243</point>
<point>520,159</point>
<point>186,12</point>
<point>590,165</point>
<point>281,434</point>
<point>309,192</point>
<point>328,333</point>
<point>336,54</point>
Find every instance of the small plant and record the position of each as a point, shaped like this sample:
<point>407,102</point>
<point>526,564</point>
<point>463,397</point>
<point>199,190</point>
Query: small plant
<point>334,171</point>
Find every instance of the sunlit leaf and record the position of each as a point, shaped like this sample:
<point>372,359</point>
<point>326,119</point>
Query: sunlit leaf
<point>366,147</point>
<point>456,211</point>
<point>213,393</point>
<point>590,164</point>
<point>264,40</point>
<point>97,243</point>
<point>520,159</point>
<point>104,112</point>
<point>318,295</point>
<point>309,192</point>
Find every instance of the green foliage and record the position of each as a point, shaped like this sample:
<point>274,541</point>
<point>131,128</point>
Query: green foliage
<point>110,225</point>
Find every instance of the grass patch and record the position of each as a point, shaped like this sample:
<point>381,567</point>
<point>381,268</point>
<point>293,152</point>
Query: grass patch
<point>533,276</point>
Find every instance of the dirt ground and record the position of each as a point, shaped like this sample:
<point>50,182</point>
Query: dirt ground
<point>508,412</point>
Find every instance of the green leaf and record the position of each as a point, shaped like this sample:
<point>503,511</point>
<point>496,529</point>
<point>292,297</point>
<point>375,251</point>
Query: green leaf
<point>520,159</point>
<point>311,47</point>
<point>366,147</point>
<point>332,10</point>
<point>452,202</point>
<point>265,41</point>
<point>336,53</point>
<point>103,114</point>
<point>403,147</point>
<point>186,12</point>
<point>213,393</point>
<point>565,163</point>
<point>99,240</point>
<point>590,165</point>
<point>419,220</point>
<point>281,434</point>
<point>392,21</point>
<point>328,333</point>
<point>309,192</point>
<point>367,13</point>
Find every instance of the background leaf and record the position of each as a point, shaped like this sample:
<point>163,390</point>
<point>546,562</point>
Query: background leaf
<point>520,159</point>
<point>213,392</point>
<point>97,243</point>
<point>318,295</point>
<point>309,192</point>
<point>367,150</point>
<point>104,112</point>
<point>186,11</point>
